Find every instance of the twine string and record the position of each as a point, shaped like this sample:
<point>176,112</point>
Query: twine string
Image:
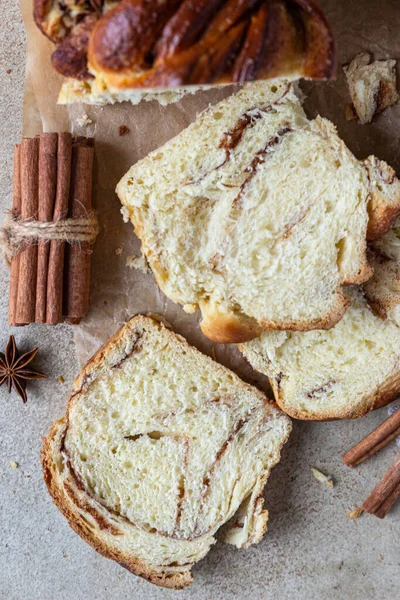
<point>17,232</point>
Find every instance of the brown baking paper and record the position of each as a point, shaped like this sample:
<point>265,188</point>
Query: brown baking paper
<point>117,291</point>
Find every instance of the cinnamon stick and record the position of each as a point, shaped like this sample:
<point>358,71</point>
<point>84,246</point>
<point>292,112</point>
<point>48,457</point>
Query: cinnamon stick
<point>47,195</point>
<point>81,140</point>
<point>78,255</point>
<point>376,440</point>
<point>26,295</point>
<point>385,493</point>
<point>54,300</point>
<point>387,504</point>
<point>16,211</point>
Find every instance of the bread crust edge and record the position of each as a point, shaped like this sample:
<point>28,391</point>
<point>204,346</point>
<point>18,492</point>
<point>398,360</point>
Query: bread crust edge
<point>388,392</point>
<point>176,581</point>
<point>172,580</point>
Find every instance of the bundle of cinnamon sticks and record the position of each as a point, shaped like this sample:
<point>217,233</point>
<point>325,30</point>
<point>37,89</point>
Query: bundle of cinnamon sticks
<point>386,492</point>
<point>49,279</point>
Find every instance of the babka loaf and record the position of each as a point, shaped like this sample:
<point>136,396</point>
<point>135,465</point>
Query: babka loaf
<point>258,216</point>
<point>341,373</point>
<point>383,289</point>
<point>114,47</point>
<point>160,446</point>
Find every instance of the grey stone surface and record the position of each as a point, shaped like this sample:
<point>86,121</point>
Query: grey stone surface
<point>312,550</point>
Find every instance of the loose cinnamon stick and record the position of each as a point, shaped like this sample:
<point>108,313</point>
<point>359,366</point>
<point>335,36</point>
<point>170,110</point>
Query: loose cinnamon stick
<point>47,195</point>
<point>16,211</point>
<point>376,440</point>
<point>26,295</point>
<point>54,300</point>
<point>78,261</point>
<point>387,504</point>
<point>385,493</point>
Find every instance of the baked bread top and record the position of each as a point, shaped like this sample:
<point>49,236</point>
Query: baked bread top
<point>342,373</point>
<point>160,446</point>
<point>152,44</point>
<point>258,216</point>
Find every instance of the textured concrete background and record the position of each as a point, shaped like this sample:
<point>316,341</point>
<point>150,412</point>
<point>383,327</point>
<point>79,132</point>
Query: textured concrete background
<point>312,549</point>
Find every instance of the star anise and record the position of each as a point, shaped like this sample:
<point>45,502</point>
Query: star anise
<point>14,369</point>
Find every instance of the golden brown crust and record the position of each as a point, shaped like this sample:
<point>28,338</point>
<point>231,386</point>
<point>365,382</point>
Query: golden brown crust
<point>383,289</point>
<point>383,185</point>
<point>326,322</point>
<point>362,276</point>
<point>169,43</point>
<point>227,327</point>
<point>381,218</point>
<point>388,392</point>
<point>174,580</point>
<point>319,42</point>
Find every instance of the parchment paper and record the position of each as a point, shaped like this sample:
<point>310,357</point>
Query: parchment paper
<point>117,291</point>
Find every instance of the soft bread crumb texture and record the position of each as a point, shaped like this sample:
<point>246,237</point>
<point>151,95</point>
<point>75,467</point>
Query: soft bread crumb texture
<point>383,289</point>
<point>97,92</point>
<point>159,448</point>
<point>372,86</point>
<point>341,373</point>
<point>258,216</point>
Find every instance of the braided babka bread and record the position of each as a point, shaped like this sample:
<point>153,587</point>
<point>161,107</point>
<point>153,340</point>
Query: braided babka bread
<point>114,46</point>
<point>161,446</point>
<point>258,216</point>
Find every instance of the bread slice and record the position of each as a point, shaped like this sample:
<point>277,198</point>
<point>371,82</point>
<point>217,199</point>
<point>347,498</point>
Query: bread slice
<point>258,216</point>
<point>159,447</point>
<point>341,373</point>
<point>372,86</point>
<point>383,289</point>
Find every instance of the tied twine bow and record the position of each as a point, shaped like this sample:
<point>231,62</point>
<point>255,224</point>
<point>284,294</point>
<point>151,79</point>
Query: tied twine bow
<point>17,232</point>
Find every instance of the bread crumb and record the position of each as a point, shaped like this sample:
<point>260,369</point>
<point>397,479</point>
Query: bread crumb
<point>125,214</point>
<point>61,379</point>
<point>123,130</point>
<point>84,120</point>
<point>118,251</point>
<point>372,85</point>
<point>8,71</point>
<point>14,465</point>
<point>322,478</point>
<point>355,513</point>
<point>138,262</point>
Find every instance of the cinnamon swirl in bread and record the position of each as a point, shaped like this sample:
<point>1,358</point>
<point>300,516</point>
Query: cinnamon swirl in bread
<point>160,446</point>
<point>344,372</point>
<point>258,216</point>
